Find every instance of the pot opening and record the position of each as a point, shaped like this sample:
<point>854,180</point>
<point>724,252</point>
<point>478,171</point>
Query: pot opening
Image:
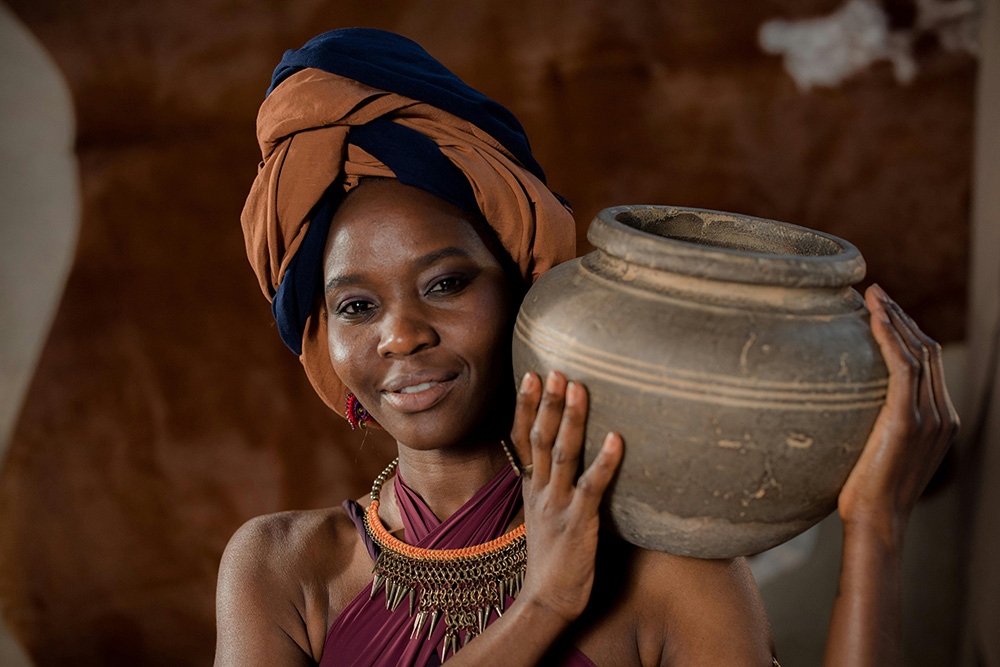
<point>730,232</point>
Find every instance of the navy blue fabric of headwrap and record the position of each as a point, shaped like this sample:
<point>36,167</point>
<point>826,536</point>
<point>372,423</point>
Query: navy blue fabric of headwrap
<point>395,64</point>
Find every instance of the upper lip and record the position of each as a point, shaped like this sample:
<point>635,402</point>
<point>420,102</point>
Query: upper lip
<point>401,381</point>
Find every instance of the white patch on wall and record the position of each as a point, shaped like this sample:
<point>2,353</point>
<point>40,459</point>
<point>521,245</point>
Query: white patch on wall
<point>825,51</point>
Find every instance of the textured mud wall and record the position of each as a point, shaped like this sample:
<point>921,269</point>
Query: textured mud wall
<point>165,410</point>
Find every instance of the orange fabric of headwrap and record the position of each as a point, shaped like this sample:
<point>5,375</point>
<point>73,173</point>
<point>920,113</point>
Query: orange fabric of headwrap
<point>303,128</point>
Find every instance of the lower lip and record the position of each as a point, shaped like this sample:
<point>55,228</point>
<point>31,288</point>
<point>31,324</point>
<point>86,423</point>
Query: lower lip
<point>418,401</point>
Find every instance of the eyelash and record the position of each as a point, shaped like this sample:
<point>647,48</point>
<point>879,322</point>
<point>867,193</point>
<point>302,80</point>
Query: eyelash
<point>457,284</point>
<point>460,283</point>
<point>345,308</point>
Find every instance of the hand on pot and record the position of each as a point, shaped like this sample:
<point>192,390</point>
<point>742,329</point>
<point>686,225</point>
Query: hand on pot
<point>561,510</point>
<point>909,439</point>
<point>912,432</point>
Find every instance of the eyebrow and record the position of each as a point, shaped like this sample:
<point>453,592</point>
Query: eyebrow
<point>421,262</point>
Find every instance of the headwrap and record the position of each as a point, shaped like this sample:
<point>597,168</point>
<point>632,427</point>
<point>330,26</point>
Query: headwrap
<point>360,102</point>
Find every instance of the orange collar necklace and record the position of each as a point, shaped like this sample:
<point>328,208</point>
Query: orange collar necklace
<point>465,586</point>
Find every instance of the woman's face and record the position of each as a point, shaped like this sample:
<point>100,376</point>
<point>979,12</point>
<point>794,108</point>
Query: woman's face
<point>418,312</point>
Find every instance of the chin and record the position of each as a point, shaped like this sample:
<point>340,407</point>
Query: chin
<point>442,428</point>
<point>424,434</point>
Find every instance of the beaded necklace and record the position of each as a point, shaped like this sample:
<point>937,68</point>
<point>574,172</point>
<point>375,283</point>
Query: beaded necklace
<point>463,585</point>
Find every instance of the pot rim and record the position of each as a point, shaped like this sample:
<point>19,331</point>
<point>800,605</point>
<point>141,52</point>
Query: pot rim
<point>842,267</point>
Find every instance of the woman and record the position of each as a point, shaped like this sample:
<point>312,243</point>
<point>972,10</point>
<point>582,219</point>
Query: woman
<point>399,297</point>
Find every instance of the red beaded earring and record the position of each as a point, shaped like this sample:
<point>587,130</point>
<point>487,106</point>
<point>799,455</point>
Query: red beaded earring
<point>356,413</point>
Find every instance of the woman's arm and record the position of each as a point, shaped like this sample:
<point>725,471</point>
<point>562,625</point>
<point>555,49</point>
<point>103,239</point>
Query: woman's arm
<point>258,620</point>
<point>561,516</point>
<point>909,439</point>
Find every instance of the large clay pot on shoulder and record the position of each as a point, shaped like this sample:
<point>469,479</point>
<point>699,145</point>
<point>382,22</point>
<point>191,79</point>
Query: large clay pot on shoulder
<point>734,358</point>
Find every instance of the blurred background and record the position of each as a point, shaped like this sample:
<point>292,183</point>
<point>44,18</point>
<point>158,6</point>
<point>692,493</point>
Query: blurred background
<point>148,407</point>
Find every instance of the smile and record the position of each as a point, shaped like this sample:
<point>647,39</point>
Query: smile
<point>417,388</point>
<point>415,393</point>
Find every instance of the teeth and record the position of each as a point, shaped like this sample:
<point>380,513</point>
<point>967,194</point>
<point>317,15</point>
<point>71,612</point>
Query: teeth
<point>417,387</point>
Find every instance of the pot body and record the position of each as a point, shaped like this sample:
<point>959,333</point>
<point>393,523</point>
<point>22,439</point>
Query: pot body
<point>732,356</point>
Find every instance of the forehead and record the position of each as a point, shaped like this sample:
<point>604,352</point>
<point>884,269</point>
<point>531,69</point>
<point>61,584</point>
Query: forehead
<point>387,225</point>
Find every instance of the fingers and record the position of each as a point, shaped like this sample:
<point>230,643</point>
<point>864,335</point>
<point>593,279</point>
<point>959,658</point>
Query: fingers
<point>545,426</point>
<point>945,407</point>
<point>594,481</point>
<point>569,440</point>
<point>528,395</point>
<point>923,386</point>
<point>548,432</point>
<point>904,369</point>
<point>933,388</point>
<point>948,417</point>
<point>934,419</point>
<point>940,424</point>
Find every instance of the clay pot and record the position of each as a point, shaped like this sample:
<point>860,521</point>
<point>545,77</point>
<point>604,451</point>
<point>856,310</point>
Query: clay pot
<point>734,358</point>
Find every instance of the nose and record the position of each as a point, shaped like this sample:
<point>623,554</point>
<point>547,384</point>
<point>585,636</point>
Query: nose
<point>405,330</point>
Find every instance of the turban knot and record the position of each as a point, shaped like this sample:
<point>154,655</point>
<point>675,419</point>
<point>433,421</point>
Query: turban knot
<point>358,103</point>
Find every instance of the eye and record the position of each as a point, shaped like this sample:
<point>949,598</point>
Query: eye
<point>355,307</point>
<point>448,285</point>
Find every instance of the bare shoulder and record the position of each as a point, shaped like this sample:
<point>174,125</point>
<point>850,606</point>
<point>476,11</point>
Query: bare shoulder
<point>711,612</point>
<point>280,544</point>
<point>282,578</point>
<point>662,609</point>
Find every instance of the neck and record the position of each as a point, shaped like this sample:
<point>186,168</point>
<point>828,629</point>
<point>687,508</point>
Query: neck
<point>447,478</point>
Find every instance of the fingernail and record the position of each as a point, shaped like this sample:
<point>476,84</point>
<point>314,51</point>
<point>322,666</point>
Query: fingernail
<point>525,381</point>
<point>571,392</point>
<point>551,381</point>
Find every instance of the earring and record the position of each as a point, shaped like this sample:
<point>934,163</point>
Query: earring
<point>356,413</point>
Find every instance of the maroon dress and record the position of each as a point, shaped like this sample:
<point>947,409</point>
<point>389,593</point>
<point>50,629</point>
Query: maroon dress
<point>366,633</point>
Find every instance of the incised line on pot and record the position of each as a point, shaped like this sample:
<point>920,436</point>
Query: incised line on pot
<point>699,386</point>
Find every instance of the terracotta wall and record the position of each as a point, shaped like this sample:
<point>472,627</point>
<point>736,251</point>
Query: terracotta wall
<point>165,411</point>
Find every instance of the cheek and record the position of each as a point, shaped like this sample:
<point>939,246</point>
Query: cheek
<point>339,351</point>
<point>493,335</point>
<point>345,353</point>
